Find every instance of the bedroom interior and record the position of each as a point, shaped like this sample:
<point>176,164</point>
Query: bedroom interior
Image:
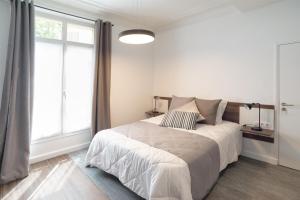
<point>140,99</point>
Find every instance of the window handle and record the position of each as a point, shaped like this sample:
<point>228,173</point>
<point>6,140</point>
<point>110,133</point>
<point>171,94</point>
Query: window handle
<point>65,95</point>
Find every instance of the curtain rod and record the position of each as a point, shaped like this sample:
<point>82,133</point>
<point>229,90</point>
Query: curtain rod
<point>66,13</point>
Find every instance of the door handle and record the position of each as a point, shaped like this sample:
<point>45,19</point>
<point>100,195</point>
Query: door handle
<point>287,105</point>
<point>65,95</point>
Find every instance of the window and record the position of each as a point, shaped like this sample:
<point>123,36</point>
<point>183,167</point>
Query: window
<point>64,58</point>
<point>48,28</point>
<point>77,33</point>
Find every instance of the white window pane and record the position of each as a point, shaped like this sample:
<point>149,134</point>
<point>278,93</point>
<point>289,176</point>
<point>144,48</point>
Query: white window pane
<point>48,28</point>
<point>47,90</point>
<point>82,34</point>
<point>78,88</point>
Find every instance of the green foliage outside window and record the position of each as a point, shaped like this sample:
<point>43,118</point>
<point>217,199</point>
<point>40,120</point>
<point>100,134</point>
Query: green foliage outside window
<point>46,28</point>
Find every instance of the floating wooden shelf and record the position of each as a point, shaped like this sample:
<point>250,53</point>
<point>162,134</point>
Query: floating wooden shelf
<point>152,114</point>
<point>265,135</point>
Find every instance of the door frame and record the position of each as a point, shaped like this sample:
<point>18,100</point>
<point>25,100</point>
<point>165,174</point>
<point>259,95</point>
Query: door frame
<point>277,94</point>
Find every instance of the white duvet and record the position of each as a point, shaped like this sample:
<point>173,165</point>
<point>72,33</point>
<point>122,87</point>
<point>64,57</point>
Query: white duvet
<point>153,173</point>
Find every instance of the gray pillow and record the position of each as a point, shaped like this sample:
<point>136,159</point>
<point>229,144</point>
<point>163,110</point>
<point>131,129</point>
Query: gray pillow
<point>208,109</point>
<point>179,101</point>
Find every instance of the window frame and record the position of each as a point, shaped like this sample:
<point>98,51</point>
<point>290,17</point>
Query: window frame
<point>65,20</point>
<point>65,43</point>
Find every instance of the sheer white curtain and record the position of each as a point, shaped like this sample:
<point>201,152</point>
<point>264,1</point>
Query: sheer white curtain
<point>48,89</point>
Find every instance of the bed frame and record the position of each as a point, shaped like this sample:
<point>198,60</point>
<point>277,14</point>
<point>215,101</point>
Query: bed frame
<point>232,111</point>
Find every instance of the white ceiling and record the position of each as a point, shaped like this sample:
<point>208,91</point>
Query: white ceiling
<point>158,13</point>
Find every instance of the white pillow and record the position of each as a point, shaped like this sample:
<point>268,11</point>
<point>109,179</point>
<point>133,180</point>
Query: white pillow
<point>190,107</point>
<point>220,112</point>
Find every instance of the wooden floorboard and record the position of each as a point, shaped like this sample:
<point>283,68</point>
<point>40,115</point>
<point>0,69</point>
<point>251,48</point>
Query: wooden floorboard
<point>251,179</point>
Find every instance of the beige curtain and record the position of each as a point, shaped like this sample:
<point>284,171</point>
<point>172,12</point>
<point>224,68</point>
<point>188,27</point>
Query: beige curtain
<point>16,104</point>
<point>101,94</point>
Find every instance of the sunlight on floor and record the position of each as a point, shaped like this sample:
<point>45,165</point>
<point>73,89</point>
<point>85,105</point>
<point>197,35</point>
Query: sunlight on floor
<point>57,178</point>
<point>55,181</point>
<point>45,179</point>
<point>22,187</point>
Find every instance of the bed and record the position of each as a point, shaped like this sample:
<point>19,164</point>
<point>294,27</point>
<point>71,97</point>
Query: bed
<point>147,159</point>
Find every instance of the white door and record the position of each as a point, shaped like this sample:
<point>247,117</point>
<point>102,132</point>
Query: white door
<point>289,97</point>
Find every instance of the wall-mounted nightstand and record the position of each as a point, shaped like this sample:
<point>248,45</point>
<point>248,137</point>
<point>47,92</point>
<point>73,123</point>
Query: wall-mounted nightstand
<point>265,135</point>
<point>153,114</point>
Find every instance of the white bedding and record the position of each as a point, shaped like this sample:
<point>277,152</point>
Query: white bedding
<point>153,173</point>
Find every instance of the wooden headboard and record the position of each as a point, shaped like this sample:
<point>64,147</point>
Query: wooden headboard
<point>232,111</point>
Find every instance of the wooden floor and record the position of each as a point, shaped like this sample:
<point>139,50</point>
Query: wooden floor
<point>250,179</point>
<point>56,179</point>
<point>63,178</point>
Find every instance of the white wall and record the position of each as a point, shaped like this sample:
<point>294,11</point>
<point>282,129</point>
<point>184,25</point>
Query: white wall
<point>4,29</point>
<point>230,57</point>
<point>131,82</point>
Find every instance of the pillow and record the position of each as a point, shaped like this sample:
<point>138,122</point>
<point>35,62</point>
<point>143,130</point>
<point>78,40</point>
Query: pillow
<point>179,101</point>
<point>220,112</point>
<point>190,107</point>
<point>184,117</point>
<point>208,109</point>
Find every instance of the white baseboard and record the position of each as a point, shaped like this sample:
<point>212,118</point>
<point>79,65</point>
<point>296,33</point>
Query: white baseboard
<point>264,158</point>
<point>59,152</point>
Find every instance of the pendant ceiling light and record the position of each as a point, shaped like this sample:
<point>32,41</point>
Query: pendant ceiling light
<point>137,36</point>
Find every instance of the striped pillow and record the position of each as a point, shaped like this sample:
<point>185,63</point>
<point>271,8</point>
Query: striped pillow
<point>180,119</point>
